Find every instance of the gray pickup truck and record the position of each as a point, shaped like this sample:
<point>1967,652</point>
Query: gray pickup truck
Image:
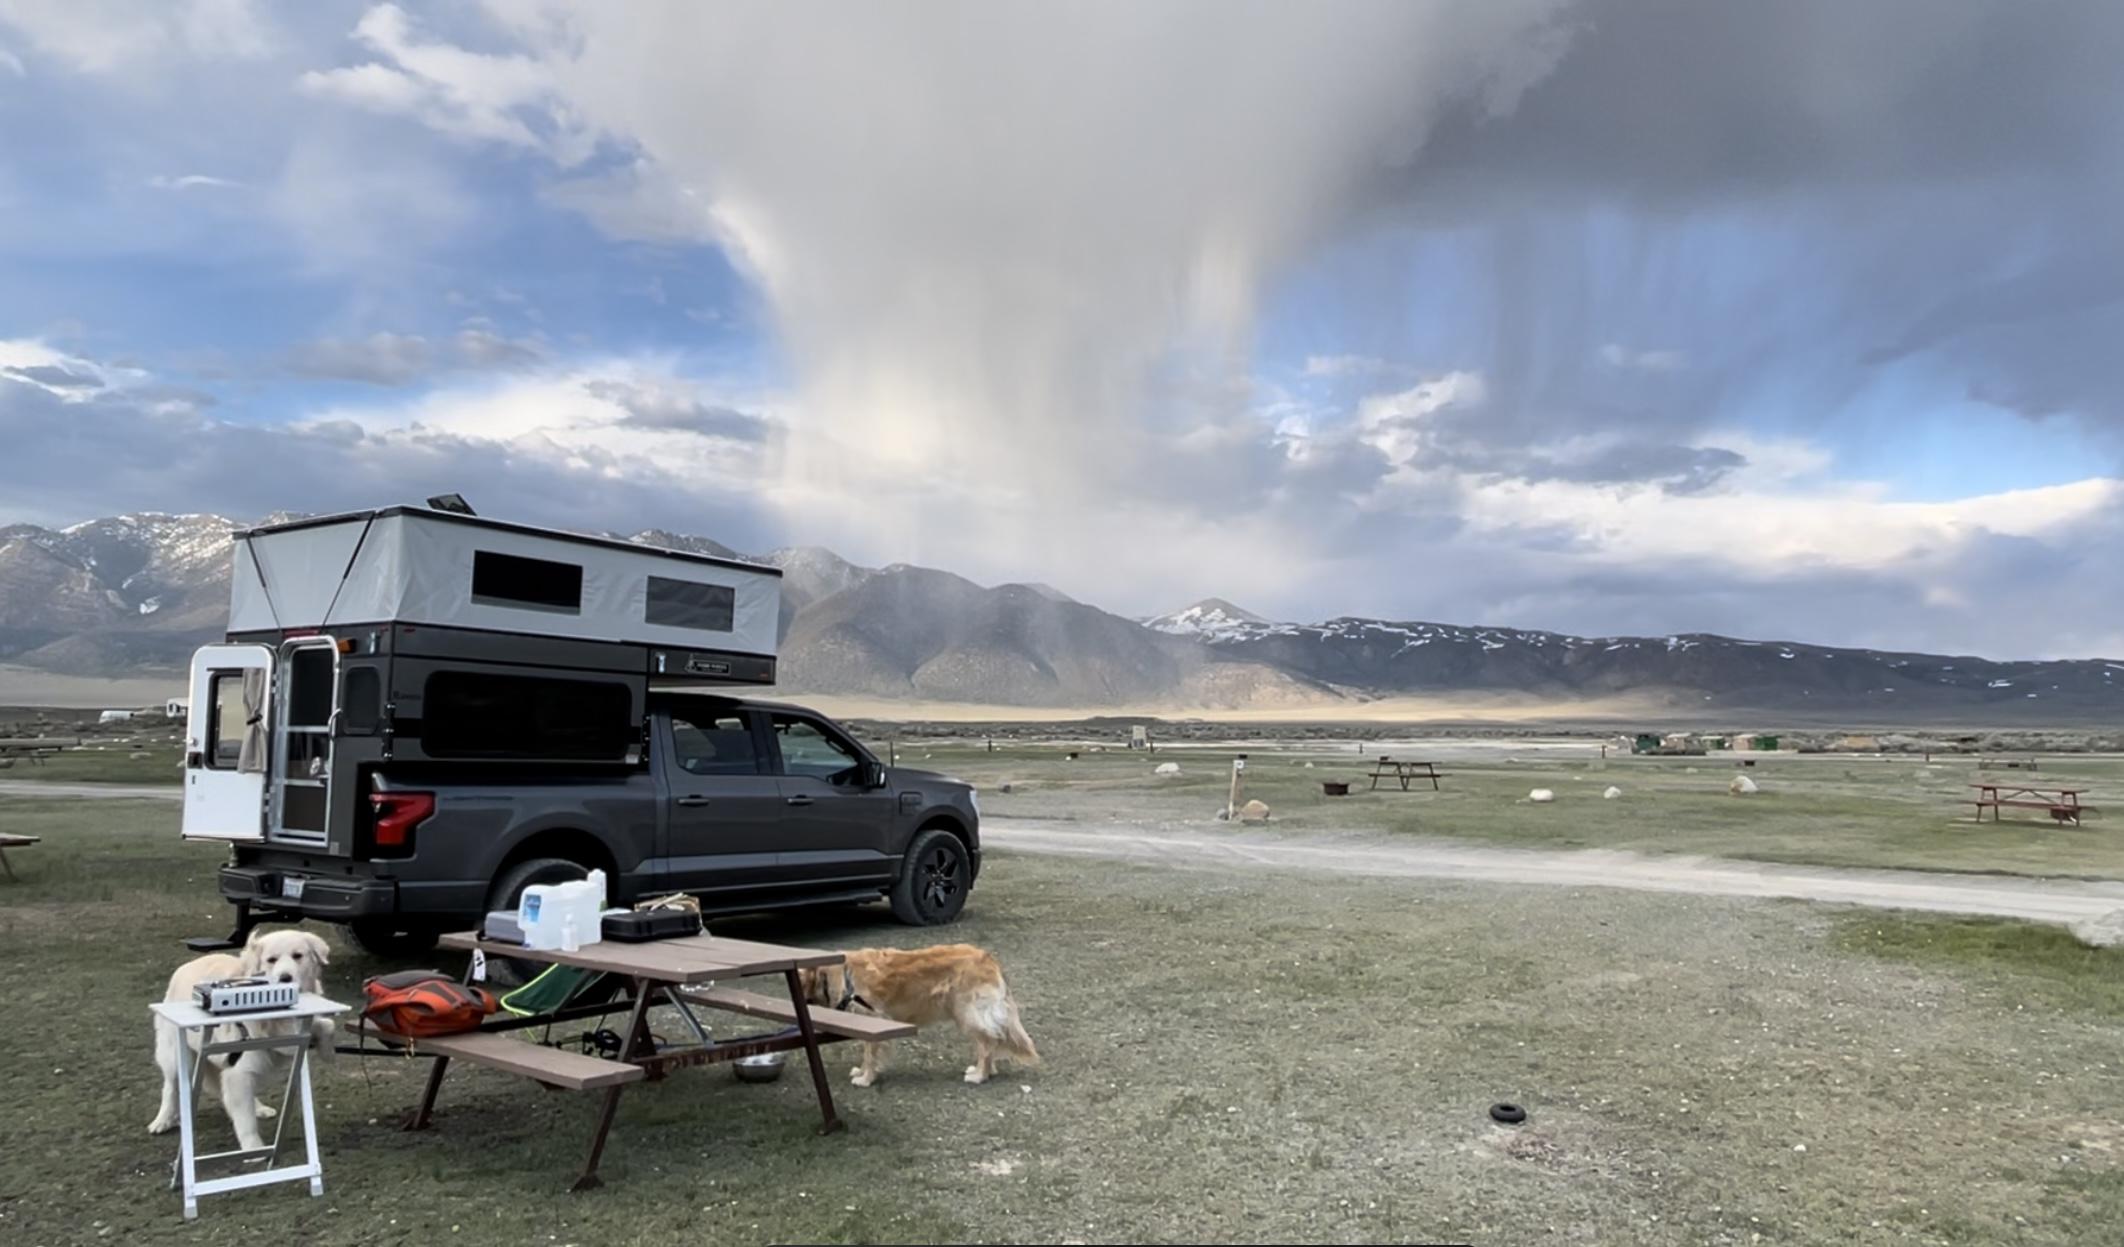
<point>746,804</point>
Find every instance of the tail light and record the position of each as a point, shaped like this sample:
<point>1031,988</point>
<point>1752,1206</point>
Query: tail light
<point>396,815</point>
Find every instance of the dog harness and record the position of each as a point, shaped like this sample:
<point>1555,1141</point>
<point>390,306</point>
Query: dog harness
<point>848,992</point>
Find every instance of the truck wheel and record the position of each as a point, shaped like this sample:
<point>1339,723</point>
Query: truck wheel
<point>395,941</point>
<point>507,893</point>
<point>934,877</point>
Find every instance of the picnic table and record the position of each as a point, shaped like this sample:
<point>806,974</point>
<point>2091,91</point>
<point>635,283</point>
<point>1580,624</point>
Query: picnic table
<point>1404,773</point>
<point>679,973</point>
<point>10,840</point>
<point>2063,804</point>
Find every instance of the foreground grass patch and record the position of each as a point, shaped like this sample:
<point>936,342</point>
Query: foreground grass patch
<point>1229,1057</point>
<point>2036,965</point>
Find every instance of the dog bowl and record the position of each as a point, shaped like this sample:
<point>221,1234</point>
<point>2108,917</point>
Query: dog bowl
<point>765,1067</point>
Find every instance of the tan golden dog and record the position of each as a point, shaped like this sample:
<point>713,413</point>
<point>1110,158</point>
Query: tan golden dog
<point>284,956</point>
<point>958,983</point>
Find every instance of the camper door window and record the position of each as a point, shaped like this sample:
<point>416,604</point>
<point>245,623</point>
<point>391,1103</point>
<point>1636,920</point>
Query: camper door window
<point>225,722</point>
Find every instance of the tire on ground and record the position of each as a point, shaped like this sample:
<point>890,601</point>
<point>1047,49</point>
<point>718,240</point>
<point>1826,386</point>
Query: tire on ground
<point>934,878</point>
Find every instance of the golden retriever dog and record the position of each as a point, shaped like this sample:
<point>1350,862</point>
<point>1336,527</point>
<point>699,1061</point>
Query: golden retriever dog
<point>958,983</point>
<point>282,955</point>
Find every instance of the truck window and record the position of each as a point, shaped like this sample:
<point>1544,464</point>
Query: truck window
<point>809,749</point>
<point>470,714</point>
<point>707,744</point>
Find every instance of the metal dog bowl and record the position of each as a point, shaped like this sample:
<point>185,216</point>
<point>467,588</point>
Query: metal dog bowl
<point>765,1067</point>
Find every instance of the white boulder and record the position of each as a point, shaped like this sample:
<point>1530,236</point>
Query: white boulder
<point>1541,796</point>
<point>1253,812</point>
<point>1741,786</point>
<point>1166,768</point>
<point>1612,793</point>
<point>2106,931</point>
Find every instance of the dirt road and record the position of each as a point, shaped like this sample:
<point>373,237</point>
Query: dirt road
<point>2008,896</point>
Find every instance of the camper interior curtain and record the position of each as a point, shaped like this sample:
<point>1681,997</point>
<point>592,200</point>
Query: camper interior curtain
<point>252,759</point>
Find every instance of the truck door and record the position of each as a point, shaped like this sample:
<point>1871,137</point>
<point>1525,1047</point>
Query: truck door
<point>835,826</point>
<point>227,743</point>
<point>723,832</point>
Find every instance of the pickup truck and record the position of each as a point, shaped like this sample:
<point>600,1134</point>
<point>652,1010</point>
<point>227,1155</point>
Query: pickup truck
<point>746,804</point>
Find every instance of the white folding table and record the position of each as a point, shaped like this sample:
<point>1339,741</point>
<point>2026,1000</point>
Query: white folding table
<point>188,1017</point>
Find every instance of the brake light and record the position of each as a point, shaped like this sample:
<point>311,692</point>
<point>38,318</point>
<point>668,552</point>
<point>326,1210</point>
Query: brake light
<point>397,814</point>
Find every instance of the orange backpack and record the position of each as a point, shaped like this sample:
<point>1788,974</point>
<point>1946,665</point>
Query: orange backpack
<point>416,1004</point>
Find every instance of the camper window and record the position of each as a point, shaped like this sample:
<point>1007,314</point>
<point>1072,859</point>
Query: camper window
<point>530,584</point>
<point>470,714</point>
<point>310,686</point>
<point>361,701</point>
<point>685,604</point>
<point>225,720</point>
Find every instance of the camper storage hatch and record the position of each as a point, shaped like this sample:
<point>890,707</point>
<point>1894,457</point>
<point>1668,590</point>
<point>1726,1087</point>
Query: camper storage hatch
<point>408,635</point>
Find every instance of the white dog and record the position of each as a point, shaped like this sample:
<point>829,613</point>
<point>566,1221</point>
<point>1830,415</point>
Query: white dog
<point>282,955</point>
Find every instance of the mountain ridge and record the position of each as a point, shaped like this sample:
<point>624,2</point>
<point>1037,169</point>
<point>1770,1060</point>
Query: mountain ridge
<point>136,593</point>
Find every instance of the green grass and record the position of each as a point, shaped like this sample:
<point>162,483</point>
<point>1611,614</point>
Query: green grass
<point>1820,810</point>
<point>1229,1057</point>
<point>2019,963</point>
<point>105,762</point>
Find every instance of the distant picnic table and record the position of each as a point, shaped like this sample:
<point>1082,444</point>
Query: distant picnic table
<point>1404,773</point>
<point>2062,804</point>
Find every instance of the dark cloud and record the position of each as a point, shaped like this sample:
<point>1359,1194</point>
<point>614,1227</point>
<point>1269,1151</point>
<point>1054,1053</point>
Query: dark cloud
<point>1465,447</point>
<point>649,407</point>
<point>387,359</point>
<point>401,359</point>
<point>1800,196</point>
<point>481,348</point>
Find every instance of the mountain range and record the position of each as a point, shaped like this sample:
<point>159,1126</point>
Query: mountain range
<point>134,594</point>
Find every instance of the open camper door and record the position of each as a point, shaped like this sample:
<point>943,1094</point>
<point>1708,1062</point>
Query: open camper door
<point>226,745</point>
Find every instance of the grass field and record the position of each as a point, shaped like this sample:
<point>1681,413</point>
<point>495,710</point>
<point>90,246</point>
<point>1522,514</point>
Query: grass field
<point>1229,1057</point>
<point>1820,809</point>
<point>1824,809</point>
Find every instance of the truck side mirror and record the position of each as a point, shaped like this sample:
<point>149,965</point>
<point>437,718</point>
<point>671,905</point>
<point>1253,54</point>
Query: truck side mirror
<point>874,775</point>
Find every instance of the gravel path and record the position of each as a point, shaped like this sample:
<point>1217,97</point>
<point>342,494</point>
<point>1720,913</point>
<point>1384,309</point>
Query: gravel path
<point>114,792</point>
<point>2008,896</point>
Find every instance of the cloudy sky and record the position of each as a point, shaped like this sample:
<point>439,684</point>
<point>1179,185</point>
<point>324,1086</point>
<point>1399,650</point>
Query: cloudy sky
<point>1801,320</point>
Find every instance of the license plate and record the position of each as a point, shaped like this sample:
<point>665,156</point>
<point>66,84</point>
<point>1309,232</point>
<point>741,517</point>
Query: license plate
<point>291,887</point>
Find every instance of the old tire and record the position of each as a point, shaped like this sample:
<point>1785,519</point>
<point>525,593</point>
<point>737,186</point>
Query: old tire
<point>934,878</point>
<point>507,892</point>
<point>392,939</point>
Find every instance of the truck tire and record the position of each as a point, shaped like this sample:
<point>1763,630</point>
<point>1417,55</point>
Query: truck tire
<point>934,877</point>
<point>392,940</point>
<point>508,890</point>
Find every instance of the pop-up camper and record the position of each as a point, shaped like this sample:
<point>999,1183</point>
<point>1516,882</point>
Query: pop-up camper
<point>416,636</point>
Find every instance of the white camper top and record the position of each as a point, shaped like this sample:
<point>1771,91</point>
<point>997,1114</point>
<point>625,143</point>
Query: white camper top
<point>414,565</point>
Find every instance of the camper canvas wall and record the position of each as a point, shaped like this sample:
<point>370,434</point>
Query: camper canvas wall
<point>402,636</point>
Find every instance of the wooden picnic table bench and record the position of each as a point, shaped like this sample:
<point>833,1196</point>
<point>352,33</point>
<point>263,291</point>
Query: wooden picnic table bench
<point>678,973</point>
<point>1404,773</point>
<point>10,840</point>
<point>2062,804</point>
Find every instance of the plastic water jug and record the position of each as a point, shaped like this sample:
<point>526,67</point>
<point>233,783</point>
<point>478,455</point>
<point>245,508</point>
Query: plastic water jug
<point>563,915</point>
